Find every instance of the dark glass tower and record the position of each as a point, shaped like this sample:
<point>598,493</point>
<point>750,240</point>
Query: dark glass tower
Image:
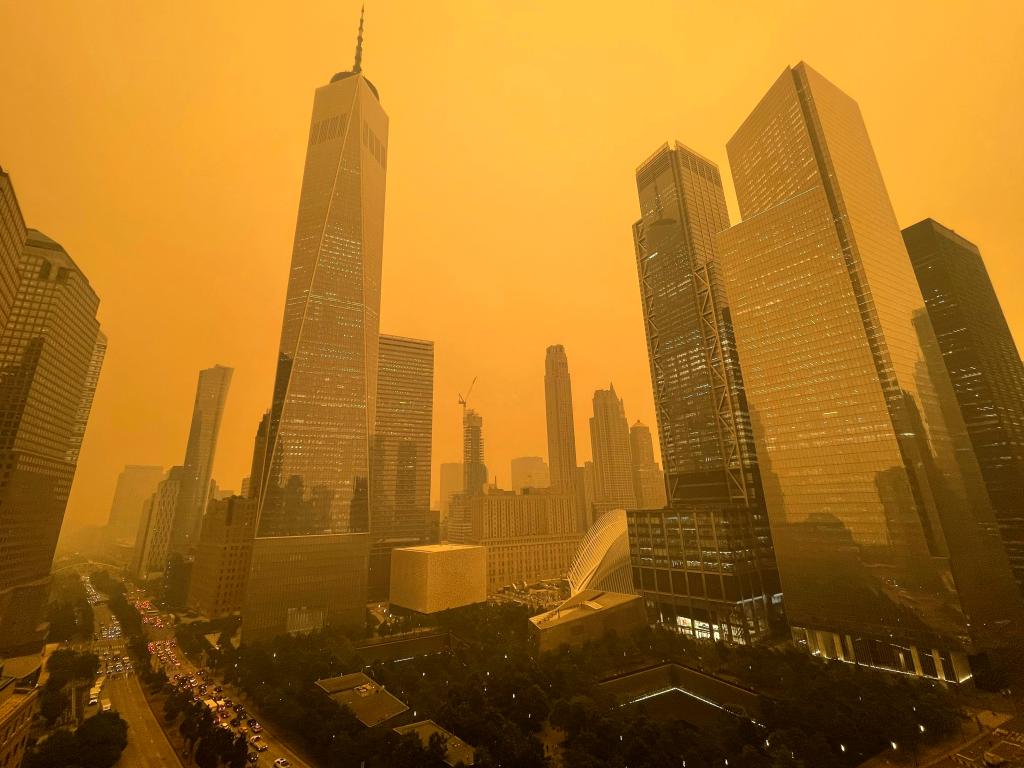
<point>984,366</point>
<point>50,356</point>
<point>704,564</point>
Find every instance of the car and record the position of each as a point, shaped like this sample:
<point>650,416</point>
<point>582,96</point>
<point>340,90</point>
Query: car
<point>235,722</point>
<point>218,689</point>
<point>281,762</point>
<point>253,757</point>
<point>261,747</point>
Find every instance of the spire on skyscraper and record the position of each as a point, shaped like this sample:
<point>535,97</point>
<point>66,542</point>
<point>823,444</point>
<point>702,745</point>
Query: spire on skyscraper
<point>358,66</point>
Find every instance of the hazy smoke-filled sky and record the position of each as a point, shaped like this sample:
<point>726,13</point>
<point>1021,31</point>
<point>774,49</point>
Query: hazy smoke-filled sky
<point>162,144</point>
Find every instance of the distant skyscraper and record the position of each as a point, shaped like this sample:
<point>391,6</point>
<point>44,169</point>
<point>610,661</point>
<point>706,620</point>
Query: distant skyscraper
<point>983,363</point>
<point>561,427</point>
<point>47,351</point>
<point>211,395</point>
<point>609,440</point>
<point>259,456</point>
<point>135,485</point>
<point>452,482</point>
<point>886,542</point>
<point>156,526</point>
<point>648,479</point>
<point>585,496</point>
<point>400,466</point>
<point>703,424</point>
<point>309,563</point>
<point>474,470</point>
<point>12,243</point>
<point>530,472</point>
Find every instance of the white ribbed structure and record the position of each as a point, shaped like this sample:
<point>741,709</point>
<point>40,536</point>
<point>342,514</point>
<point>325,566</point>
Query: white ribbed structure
<point>602,558</point>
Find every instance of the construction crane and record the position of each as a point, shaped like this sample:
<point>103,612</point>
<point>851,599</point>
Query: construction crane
<point>464,401</point>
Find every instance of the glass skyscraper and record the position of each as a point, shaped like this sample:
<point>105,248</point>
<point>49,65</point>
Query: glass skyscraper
<point>983,364</point>
<point>704,564</point>
<point>211,395</point>
<point>309,563</point>
<point>400,467</point>
<point>886,543</point>
<point>50,355</point>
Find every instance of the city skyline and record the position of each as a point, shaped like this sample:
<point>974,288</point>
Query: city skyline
<point>500,396</point>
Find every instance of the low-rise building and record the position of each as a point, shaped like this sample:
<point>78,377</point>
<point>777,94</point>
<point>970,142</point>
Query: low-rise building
<point>21,679</point>
<point>368,701</point>
<point>456,751</point>
<point>438,577</point>
<point>587,616</point>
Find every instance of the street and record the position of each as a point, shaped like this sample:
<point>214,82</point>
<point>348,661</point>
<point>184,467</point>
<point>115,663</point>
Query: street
<point>275,748</point>
<point>148,747</point>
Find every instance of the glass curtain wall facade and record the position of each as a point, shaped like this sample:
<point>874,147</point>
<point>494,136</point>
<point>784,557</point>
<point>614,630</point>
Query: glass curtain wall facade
<point>207,411</point>
<point>984,367</point>
<point>310,556</point>
<point>704,565</point>
<point>48,370</point>
<point>400,472</point>
<point>886,542</point>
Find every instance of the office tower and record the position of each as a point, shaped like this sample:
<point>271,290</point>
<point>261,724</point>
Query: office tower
<point>92,377</point>
<point>12,243</point>
<point>885,538</point>
<point>207,411</point>
<point>705,564</point>
<point>135,485</point>
<point>452,482</point>
<point>530,472</point>
<point>561,428</point>
<point>400,463</point>
<point>609,440</point>
<point>648,479</point>
<point>259,456</point>
<point>529,536</point>
<point>983,364</point>
<point>585,496</point>
<point>46,351</point>
<point>474,470</point>
<point>223,557</point>
<point>309,563</point>
<point>153,540</point>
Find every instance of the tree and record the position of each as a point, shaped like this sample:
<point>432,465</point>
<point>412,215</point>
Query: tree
<point>101,740</point>
<point>59,750</point>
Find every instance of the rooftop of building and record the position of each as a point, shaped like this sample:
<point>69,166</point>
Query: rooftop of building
<point>586,603</point>
<point>369,702</point>
<point>456,750</point>
<point>434,548</point>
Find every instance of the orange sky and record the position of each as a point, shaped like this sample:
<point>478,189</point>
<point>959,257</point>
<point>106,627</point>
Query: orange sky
<point>162,144</point>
